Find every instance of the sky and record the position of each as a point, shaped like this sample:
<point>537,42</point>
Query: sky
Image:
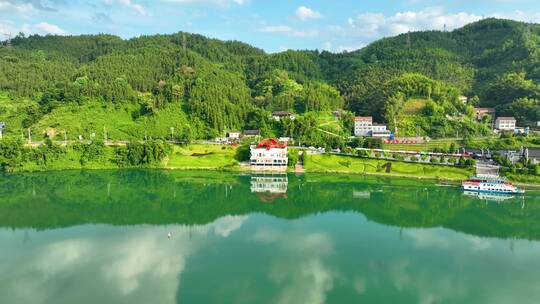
<point>272,25</point>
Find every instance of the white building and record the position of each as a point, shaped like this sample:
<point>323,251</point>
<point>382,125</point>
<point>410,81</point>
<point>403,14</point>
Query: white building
<point>278,115</point>
<point>269,154</point>
<point>363,125</point>
<point>234,135</point>
<point>505,123</point>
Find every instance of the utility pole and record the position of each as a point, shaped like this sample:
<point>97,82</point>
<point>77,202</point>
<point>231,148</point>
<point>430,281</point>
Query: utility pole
<point>65,137</point>
<point>145,136</point>
<point>172,133</point>
<point>104,134</point>
<point>29,136</point>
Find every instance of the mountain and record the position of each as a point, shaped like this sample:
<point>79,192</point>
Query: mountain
<point>202,87</point>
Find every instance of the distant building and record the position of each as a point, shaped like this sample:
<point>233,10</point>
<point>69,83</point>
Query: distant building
<point>521,131</point>
<point>269,154</point>
<point>251,133</point>
<point>505,123</point>
<point>463,99</point>
<point>480,112</point>
<point>278,115</point>
<point>364,126</point>
<point>338,113</point>
<point>234,135</point>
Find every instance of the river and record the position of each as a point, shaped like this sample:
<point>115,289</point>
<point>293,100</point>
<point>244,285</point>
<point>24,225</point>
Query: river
<point>143,236</point>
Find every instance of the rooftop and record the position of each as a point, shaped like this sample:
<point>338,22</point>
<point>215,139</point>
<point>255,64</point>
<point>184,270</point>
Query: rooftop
<point>363,118</point>
<point>252,132</point>
<point>484,110</point>
<point>281,113</point>
<point>271,143</point>
<point>506,118</point>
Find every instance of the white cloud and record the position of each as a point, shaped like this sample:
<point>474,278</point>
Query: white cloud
<point>130,4</point>
<point>376,25</point>
<point>305,13</point>
<point>42,28</point>
<point>287,30</point>
<point>47,28</point>
<point>228,224</point>
<point>214,2</point>
<point>19,8</point>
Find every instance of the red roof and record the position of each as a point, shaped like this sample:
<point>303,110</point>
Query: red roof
<point>270,143</point>
<point>364,118</point>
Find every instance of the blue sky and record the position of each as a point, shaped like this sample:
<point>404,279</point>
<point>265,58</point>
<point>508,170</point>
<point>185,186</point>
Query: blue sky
<point>276,25</point>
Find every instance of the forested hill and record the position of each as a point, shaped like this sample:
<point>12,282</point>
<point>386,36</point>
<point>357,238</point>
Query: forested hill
<point>204,86</point>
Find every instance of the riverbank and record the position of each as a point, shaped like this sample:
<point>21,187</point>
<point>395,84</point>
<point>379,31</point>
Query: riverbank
<point>203,157</point>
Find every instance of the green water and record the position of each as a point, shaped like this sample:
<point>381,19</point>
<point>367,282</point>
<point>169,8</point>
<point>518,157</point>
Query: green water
<point>101,237</point>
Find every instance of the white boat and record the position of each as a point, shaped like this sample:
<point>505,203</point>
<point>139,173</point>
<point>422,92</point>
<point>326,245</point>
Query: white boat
<point>490,184</point>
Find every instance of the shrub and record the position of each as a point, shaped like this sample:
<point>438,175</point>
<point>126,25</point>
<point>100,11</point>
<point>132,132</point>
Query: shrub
<point>243,153</point>
<point>293,158</point>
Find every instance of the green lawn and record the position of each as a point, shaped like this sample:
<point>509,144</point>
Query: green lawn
<point>202,157</point>
<point>345,164</point>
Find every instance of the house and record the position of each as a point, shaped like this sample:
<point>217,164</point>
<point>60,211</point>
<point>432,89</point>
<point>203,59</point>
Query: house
<point>338,114</point>
<point>251,133</point>
<point>234,135</point>
<point>480,112</point>
<point>505,123</point>
<point>363,125</point>
<point>269,154</point>
<point>463,99</point>
<point>278,115</point>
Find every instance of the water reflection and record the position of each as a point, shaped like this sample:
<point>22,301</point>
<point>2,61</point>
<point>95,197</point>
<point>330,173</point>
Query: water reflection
<point>269,186</point>
<point>496,197</point>
<point>339,240</point>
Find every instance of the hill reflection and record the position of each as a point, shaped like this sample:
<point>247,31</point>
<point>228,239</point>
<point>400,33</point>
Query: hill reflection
<point>132,197</point>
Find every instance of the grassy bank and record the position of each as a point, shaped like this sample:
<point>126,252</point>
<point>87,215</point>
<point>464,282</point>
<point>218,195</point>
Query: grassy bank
<point>355,165</point>
<point>212,157</point>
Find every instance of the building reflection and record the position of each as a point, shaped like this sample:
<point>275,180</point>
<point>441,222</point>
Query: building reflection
<point>269,186</point>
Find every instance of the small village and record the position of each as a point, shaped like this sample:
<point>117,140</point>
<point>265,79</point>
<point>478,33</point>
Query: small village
<point>271,154</point>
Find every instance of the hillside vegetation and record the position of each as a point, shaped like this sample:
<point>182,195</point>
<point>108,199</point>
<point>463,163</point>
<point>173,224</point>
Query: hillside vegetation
<point>201,87</point>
